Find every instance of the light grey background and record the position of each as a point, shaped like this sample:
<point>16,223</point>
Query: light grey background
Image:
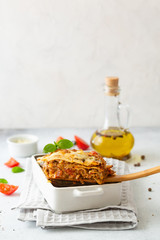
<point>55,55</point>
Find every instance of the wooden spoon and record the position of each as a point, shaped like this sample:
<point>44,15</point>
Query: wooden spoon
<point>132,176</point>
<point>112,179</point>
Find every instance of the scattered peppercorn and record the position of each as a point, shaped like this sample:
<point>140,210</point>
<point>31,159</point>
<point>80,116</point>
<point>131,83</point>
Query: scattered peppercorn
<point>143,157</point>
<point>149,198</point>
<point>137,164</point>
<point>149,189</point>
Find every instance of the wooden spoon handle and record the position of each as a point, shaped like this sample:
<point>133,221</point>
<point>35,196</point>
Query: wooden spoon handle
<point>131,176</point>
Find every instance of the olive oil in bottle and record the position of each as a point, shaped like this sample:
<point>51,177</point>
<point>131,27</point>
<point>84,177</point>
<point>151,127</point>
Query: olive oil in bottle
<point>113,140</point>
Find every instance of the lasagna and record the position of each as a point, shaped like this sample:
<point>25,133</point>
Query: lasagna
<point>75,167</point>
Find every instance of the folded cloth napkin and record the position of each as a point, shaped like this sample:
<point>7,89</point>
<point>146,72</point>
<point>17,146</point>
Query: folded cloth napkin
<point>33,207</point>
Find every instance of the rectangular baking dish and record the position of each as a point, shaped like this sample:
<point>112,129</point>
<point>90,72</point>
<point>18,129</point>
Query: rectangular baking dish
<point>69,199</point>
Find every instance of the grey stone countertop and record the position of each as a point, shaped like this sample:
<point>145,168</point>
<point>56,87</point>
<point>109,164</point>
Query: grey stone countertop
<point>147,142</point>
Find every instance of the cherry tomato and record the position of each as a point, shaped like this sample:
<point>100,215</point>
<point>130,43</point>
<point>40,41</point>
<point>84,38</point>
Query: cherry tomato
<point>59,138</point>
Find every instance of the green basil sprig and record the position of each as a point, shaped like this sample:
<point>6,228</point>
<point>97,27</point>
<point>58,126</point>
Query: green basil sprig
<point>61,144</point>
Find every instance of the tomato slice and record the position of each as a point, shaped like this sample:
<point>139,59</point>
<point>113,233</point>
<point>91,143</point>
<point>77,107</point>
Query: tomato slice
<point>12,163</point>
<point>81,143</point>
<point>7,189</point>
<point>59,138</point>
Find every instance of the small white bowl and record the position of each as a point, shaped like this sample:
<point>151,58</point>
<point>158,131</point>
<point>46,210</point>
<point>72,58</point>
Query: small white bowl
<point>22,145</point>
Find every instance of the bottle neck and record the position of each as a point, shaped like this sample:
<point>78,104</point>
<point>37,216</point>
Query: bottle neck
<point>111,112</point>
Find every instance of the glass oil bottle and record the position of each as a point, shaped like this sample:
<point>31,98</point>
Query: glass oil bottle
<point>113,140</point>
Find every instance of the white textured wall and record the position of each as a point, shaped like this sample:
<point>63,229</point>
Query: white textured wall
<point>55,54</point>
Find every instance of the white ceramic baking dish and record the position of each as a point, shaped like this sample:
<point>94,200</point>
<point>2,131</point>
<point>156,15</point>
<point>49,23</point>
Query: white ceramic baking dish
<point>68,199</point>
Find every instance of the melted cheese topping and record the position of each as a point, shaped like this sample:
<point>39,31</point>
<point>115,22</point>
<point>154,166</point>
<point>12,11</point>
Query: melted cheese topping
<point>72,156</point>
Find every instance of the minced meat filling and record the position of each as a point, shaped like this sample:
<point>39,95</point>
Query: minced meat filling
<point>75,165</point>
<point>70,171</point>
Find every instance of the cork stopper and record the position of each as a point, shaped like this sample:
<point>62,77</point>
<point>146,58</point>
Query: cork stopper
<point>112,86</point>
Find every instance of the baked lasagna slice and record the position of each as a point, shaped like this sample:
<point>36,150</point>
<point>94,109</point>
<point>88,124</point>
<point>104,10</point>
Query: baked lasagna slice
<point>75,166</point>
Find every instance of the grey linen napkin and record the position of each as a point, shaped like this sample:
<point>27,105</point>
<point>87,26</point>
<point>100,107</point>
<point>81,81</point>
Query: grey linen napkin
<point>33,207</point>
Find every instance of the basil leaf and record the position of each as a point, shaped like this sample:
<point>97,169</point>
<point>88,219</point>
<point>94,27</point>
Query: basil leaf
<point>2,180</point>
<point>64,143</point>
<point>49,148</point>
<point>17,169</point>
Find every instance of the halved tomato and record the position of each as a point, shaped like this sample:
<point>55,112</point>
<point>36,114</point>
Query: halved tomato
<point>81,143</point>
<point>59,138</point>
<point>12,163</point>
<point>7,189</point>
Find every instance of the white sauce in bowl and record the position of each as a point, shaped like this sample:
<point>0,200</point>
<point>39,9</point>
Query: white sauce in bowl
<point>22,145</point>
<point>22,140</point>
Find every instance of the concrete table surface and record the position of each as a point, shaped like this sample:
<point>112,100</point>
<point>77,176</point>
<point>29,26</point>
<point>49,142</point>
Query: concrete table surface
<point>147,142</point>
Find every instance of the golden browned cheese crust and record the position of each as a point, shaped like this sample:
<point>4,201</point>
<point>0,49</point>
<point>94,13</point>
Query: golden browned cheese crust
<point>75,165</point>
